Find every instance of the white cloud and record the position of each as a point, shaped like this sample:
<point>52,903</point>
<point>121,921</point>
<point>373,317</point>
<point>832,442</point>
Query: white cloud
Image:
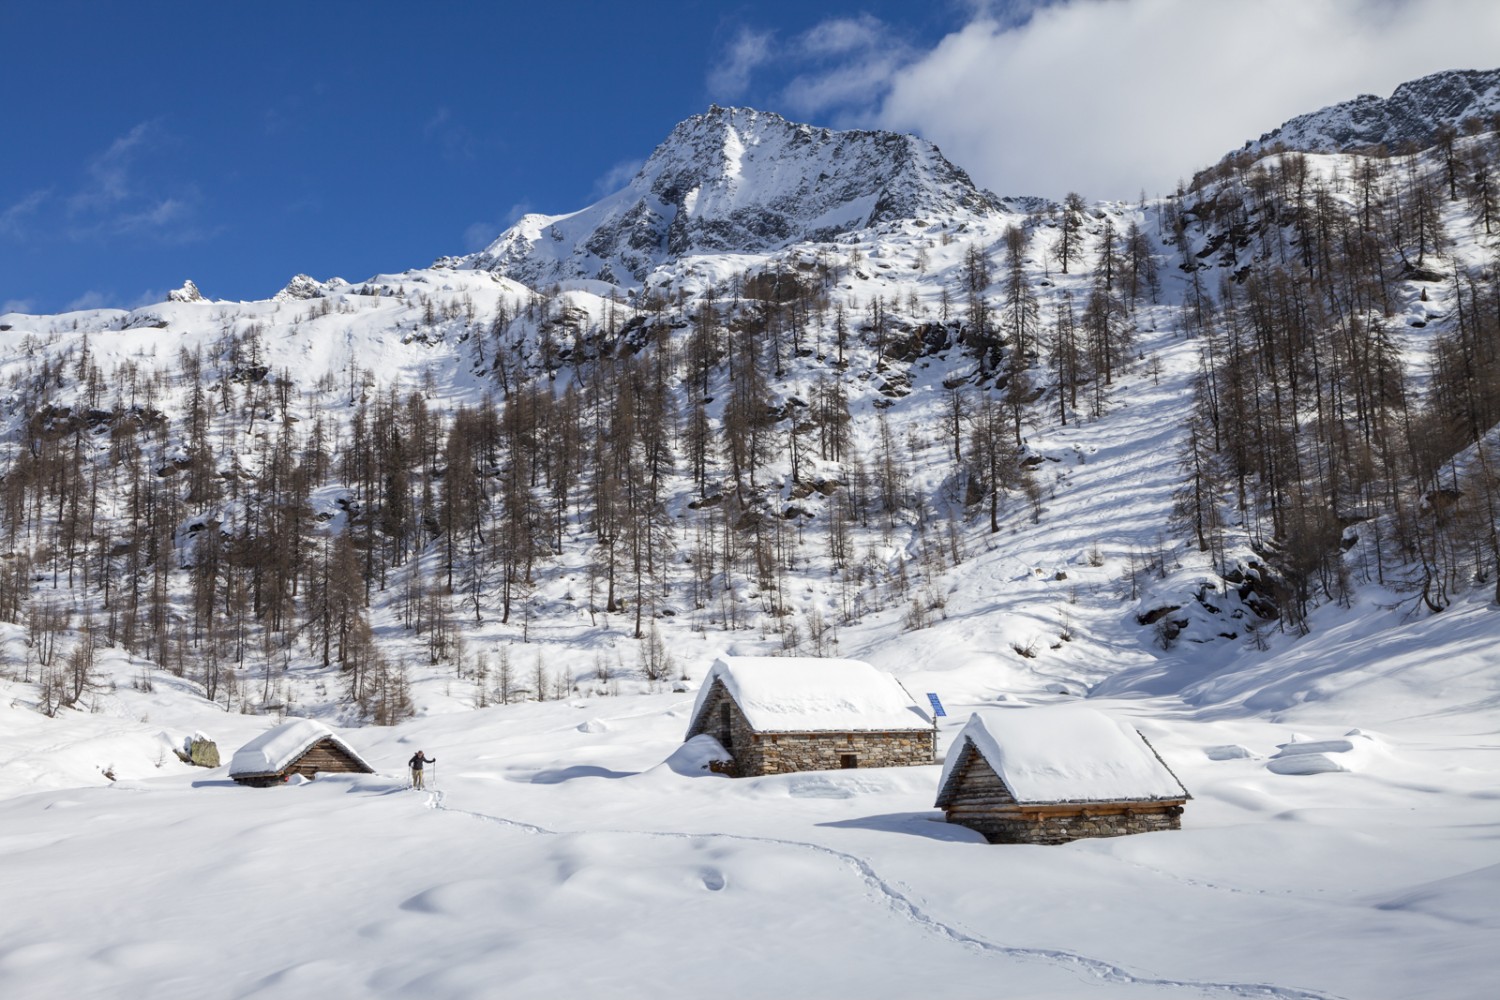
<point>1109,97</point>
<point>731,77</point>
<point>616,177</point>
<point>154,216</point>
<point>1112,97</point>
<point>17,306</point>
<point>90,299</point>
<point>13,219</point>
<point>853,61</point>
<point>121,193</point>
<point>852,89</point>
<point>450,136</point>
<point>110,180</point>
<point>844,34</point>
<point>478,235</point>
<point>842,65</point>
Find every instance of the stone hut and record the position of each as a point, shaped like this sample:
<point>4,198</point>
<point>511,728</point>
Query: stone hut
<point>297,746</point>
<point>1054,774</point>
<point>784,713</point>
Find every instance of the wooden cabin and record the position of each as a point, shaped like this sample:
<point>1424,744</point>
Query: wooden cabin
<point>297,746</point>
<point>779,714</point>
<point>1058,773</point>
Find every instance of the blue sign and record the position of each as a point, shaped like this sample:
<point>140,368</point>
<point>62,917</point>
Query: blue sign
<point>937,706</point>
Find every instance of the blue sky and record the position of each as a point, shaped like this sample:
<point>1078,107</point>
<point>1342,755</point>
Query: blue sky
<point>237,145</point>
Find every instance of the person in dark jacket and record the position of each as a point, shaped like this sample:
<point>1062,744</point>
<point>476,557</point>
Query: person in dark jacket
<point>416,762</point>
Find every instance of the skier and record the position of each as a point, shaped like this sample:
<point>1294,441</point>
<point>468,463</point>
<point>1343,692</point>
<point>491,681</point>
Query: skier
<point>416,762</point>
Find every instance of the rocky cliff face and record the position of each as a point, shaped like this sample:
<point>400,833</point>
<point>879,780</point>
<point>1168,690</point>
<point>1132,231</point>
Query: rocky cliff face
<point>735,179</point>
<point>1411,114</point>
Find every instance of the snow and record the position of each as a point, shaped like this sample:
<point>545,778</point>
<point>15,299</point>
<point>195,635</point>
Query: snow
<point>801,694</point>
<point>280,746</point>
<point>695,756</point>
<point>1354,751</point>
<point>557,861</point>
<point>1065,753</point>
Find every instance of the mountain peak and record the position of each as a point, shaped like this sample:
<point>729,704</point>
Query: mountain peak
<point>187,293</point>
<point>738,180</point>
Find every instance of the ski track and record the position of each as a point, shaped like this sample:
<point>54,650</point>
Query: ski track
<point>903,905</point>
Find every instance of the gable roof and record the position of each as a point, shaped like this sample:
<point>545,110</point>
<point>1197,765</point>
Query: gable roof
<point>1063,753</point>
<point>280,746</point>
<point>804,694</point>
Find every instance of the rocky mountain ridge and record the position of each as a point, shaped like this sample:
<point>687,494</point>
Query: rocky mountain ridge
<point>1412,114</point>
<point>738,180</point>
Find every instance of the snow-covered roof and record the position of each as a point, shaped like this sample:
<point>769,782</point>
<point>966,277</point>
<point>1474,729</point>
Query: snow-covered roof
<point>1064,753</point>
<point>803,694</point>
<point>280,746</point>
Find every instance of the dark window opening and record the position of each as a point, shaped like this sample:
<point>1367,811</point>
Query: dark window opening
<point>725,729</point>
<point>848,760</point>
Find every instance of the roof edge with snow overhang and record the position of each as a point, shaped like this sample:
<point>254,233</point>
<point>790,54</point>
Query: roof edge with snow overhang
<point>1063,754</point>
<point>803,694</point>
<point>279,747</point>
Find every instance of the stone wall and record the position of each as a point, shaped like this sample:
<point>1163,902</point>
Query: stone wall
<point>1002,828</point>
<point>780,753</point>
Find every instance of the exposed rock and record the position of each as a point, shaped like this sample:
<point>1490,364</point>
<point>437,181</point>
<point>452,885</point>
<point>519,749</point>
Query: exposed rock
<point>1412,114</point>
<point>1156,614</point>
<point>200,751</point>
<point>187,293</point>
<point>301,288</point>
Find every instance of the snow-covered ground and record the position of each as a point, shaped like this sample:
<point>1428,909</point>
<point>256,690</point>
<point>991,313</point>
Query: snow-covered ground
<point>565,848</point>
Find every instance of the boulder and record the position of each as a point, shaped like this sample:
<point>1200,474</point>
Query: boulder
<point>202,751</point>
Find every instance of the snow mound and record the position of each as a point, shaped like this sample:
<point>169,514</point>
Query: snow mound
<point>1297,748</point>
<point>1304,763</point>
<point>1468,898</point>
<point>593,726</point>
<point>1228,751</point>
<point>1304,756</point>
<point>692,759</point>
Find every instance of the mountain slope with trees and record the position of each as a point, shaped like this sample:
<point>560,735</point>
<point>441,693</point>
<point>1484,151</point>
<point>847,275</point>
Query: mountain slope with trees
<point>791,421</point>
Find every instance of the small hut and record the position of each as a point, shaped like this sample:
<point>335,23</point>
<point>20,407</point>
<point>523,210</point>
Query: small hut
<point>1054,774</point>
<point>785,713</point>
<point>298,746</point>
